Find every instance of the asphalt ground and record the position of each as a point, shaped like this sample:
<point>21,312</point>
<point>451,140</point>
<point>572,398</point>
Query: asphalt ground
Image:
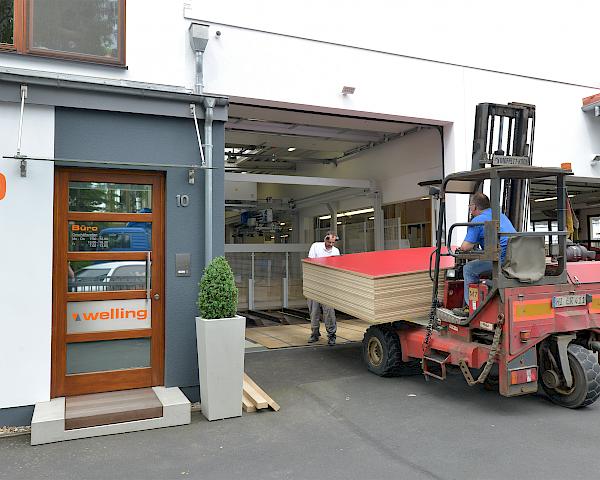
<point>338,421</point>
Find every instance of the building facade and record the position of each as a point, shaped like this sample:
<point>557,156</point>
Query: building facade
<point>101,150</point>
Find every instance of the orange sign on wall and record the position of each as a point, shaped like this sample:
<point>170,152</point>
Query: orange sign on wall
<point>2,186</point>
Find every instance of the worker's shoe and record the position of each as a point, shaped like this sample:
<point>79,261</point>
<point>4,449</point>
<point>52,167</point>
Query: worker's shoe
<point>461,312</point>
<point>314,337</point>
<point>331,340</point>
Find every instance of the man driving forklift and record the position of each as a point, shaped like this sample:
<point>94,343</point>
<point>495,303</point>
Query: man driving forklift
<point>480,211</point>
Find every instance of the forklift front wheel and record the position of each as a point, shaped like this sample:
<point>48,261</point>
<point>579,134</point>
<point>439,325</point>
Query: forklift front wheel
<point>586,380</point>
<point>382,354</point>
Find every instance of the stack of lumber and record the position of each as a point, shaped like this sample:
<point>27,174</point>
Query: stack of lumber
<point>254,398</point>
<point>377,287</point>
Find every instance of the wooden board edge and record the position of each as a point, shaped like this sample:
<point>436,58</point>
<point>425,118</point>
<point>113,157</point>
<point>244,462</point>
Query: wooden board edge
<point>272,403</point>
<point>257,399</point>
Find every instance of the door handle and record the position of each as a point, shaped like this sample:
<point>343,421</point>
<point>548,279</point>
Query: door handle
<point>156,296</point>
<point>148,274</point>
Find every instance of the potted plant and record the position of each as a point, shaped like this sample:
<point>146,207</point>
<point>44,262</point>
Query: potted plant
<point>220,335</point>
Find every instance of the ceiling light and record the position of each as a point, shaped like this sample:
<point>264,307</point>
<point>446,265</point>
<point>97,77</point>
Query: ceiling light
<point>547,199</point>
<point>371,218</point>
<point>282,223</point>
<point>424,198</point>
<point>356,212</point>
<point>339,223</point>
<point>291,149</point>
<point>349,214</point>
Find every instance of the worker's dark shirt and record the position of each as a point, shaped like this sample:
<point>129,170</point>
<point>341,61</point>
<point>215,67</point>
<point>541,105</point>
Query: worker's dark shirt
<point>475,233</point>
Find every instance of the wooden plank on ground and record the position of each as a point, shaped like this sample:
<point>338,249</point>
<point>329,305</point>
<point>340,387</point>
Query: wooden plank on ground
<point>272,403</point>
<point>349,334</point>
<point>257,335</point>
<point>247,403</point>
<point>255,395</point>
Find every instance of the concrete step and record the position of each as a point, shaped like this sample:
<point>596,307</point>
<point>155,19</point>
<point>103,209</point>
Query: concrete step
<point>88,415</point>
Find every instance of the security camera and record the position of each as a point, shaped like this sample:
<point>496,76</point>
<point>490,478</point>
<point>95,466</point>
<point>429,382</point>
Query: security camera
<point>218,33</point>
<point>595,159</point>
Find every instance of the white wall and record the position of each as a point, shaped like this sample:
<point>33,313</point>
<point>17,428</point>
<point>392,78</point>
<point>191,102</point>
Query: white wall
<point>157,49</point>
<point>298,72</point>
<point>26,258</point>
<point>526,38</point>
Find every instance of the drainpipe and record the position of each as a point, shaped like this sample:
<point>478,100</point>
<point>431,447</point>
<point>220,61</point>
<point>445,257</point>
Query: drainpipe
<point>209,104</point>
<point>198,34</point>
<point>199,86</point>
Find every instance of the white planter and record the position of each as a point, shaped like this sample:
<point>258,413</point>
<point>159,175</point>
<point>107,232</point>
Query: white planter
<point>221,345</point>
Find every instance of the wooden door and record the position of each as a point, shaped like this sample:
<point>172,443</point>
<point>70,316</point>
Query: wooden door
<point>108,281</point>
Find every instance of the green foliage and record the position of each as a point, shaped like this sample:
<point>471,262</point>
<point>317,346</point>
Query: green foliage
<point>218,294</point>
<point>6,21</point>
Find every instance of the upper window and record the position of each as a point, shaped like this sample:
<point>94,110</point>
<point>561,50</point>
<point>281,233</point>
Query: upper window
<point>85,30</point>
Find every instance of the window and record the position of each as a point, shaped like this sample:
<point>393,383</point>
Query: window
<point>594,228</point>
<point>7,22</point>
<point>84,30</point>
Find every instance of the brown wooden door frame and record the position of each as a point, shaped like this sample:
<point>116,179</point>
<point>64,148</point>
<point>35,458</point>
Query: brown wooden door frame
<point>82,383</point>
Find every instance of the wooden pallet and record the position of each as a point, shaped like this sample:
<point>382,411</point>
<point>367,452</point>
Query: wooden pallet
<point>254,398</point>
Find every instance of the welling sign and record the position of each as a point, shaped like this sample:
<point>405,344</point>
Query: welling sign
<point>104,315</point>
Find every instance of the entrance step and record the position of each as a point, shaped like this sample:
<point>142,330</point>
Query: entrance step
<point>100,414</point>
<point>111,407</point>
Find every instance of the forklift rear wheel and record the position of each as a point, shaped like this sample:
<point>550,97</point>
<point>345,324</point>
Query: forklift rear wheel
<point>586,380</point>
<point>382,354</point>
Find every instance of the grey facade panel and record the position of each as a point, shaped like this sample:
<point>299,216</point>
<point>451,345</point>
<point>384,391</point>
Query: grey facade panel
<point>16,417</point>
<point>147,139</point>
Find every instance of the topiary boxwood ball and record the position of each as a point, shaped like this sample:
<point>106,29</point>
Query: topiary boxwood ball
<point>218,294</point>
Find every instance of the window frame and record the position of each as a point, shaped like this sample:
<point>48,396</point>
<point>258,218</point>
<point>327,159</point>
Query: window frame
<point>22,38</point>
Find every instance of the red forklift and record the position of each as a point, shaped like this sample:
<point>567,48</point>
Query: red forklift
<point>536,320</point>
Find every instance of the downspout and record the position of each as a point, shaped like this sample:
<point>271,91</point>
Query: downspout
<point>209,104</point>
<point>199,87</point>
<point>198,41</point>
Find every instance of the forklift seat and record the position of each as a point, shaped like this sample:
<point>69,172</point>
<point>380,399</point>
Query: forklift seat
<point>525,259</point>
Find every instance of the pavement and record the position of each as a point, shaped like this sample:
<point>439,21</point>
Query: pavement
<point>338,421</point>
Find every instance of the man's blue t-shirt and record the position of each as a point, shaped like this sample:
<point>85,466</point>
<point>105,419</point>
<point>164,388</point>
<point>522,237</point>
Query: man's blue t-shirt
<point>475,233</point>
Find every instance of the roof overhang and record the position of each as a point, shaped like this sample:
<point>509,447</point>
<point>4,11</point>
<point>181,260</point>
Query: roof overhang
<point>592,103</point>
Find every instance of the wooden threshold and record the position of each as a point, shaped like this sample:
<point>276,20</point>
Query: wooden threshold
<point>111,407</point>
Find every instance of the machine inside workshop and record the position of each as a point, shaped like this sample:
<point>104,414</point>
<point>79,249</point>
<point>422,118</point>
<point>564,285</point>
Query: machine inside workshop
<point>536,320</point>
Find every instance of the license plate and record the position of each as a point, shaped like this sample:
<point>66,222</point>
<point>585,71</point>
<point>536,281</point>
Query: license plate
<point>569,301</point>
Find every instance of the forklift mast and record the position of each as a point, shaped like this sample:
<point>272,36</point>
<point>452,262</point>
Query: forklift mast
<point>504,136</point>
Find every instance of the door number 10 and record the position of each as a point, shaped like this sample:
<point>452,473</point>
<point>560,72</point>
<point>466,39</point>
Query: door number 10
<point>183,200</point>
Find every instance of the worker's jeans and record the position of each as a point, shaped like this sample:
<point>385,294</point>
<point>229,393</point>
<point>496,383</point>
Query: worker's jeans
<point>328,318</point>
<point>471,272</point>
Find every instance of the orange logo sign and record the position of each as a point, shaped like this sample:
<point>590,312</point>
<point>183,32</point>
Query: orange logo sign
<point>83,228</point>
<point>113,314</point>
<point>2,186</point>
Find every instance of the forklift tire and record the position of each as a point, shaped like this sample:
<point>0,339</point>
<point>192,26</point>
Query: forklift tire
<point>585,370</point>
<point>382,354</point>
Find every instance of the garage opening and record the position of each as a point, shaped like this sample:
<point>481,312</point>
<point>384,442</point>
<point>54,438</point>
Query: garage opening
<point>292,176</point>
<point>583,212</point>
